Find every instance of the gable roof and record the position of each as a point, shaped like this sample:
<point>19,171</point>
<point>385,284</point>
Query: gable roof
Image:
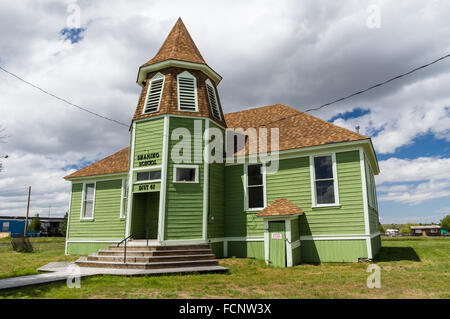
<point>280,207</point>
<point>296,130</point>
<point>115,163</point>
<point>178,46</point>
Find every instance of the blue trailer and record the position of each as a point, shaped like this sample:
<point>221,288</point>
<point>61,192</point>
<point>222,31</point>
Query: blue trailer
<point>15,227</point>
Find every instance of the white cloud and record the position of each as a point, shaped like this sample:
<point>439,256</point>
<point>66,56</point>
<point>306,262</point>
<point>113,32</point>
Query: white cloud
<point>413,181</point>
<point>299,53</point>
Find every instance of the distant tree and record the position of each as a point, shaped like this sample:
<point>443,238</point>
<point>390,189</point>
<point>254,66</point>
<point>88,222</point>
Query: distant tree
<point>407,228</point>
<point>35,224</point>
<point>445,223</point>
<point>63,229</point>
<point>382,229</point>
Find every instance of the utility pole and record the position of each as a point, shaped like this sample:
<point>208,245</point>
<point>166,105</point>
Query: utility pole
<point>28,210</point>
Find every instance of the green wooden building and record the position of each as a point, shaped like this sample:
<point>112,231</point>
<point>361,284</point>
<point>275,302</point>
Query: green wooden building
<point>309,198</point>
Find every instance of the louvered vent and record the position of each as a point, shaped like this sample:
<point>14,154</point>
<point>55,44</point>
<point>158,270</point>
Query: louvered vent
<point>213,101</point>
<point>186,94</point>
<point>154,96</point>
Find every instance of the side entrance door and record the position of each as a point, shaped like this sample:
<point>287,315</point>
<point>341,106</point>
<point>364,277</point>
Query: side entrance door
<point>277,244</point>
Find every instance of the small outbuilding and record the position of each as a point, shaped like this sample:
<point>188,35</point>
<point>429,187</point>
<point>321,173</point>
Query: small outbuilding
<point>426,230</point>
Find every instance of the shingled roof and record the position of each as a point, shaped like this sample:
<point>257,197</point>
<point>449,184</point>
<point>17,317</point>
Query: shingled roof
<point>178,46</point>
<point>280,207</point>
<point>115,163</point>
<point>296,130</point>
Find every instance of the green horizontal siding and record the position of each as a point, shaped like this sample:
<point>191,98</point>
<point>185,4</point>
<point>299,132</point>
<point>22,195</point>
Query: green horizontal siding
<point>107,223</point>
<point>235,217</point>
<point>85,248</point>
<point>246,249</point>
<point>216,198</point>
<point>216,226</point>
<point>296,256</point>
<point>184,205</point>
<point>376,245</point>
<point>148,139</point>
<point>295,230</point>
<point>292,181</point>
<point>373,221</point>
<point>333,250</point>
<point>217,249</point>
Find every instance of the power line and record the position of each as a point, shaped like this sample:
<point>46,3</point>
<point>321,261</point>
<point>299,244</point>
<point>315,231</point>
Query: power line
<point>363,91</point>
<point>64,100</point>
<point>306,111</point>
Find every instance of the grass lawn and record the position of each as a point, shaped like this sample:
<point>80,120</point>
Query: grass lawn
<point>411,268</point>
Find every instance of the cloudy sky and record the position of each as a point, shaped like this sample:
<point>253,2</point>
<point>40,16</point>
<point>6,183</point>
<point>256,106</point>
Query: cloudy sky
<point>300,53</point>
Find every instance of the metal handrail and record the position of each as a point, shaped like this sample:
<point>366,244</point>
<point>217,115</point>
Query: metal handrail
<point>125,248</point>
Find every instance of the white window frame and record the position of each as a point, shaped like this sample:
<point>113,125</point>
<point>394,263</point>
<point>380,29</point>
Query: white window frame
<point>186,74</point>
<point>154,78</point>
<point>149,180</point>
<point>208,82</point>
<point>196,167</point>
<point>82,201</point>
<point>313,181</point>
<point>246,202</point>
<point>123,199</point>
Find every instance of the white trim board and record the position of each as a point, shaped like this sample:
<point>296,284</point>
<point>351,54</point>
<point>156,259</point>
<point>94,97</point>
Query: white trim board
<point>68,220</point>
<point>205,189</point>
<point>142,73</point>
<point>130,182</point>
<point>97,178</point>
<point>163,187</point>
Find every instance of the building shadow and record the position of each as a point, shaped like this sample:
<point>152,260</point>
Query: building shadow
<point>396,254</point>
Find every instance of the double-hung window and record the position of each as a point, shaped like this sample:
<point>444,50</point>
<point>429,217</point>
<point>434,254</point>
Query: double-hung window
<point>255,186</point>
<point>88,201</point>
<point>324,181</point>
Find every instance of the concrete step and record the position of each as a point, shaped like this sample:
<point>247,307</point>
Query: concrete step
<point>150,259</point>
<point>83,262</point>
<point>136,253</point>
<point>157,247</point>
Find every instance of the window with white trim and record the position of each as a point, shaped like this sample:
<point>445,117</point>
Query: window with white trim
<point>5,226</point>
<point>185,174</point>
<point>255,186</point>
<point>123,212</point>
<point>212,98</point>
<point>324,180</point>
<point>148,176</point>
<point>88,200</point>
<point>154,94</point>
<point>371,188</point>
<point>187,92</point>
